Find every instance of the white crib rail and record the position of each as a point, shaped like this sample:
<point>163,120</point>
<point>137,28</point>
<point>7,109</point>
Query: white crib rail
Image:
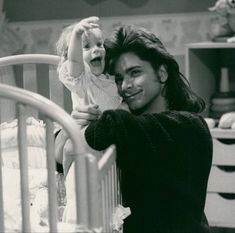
<point>97,187</point>
<point>103,176</point>
<point>55,113</point>
<point>110,191</point>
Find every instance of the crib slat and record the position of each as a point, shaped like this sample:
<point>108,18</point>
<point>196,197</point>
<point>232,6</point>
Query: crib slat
<point>107,160</point>
<point>2,226</point>
<point>106,204</point>
<point>23,158</point>
<point>81,190</point>
<point>112,187</point>
<point>115,186</point>
<point>109,178</point>
<point>56,87</point>
<point>7,77</point>
<point>93,194</point>
<point>103,205</point>
<point>111,209</point>
<point>52,194</point>
<point>30,83</point>
<point>30,77</point>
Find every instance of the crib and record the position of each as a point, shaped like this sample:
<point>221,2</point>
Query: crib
<point>96,180</point>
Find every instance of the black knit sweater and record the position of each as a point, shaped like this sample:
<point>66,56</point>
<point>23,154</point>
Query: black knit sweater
<point>165,160</point>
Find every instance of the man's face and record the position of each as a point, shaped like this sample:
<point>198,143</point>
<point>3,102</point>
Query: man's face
<point>137,83</point>
<point>93,51</point>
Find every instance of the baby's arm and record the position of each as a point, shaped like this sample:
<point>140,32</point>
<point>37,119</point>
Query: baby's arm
<point>75,50</point>
<point>60,141</point>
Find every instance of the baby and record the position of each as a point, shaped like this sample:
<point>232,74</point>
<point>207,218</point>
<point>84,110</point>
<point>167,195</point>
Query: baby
<point>82,65</point>
<point>81,70</point>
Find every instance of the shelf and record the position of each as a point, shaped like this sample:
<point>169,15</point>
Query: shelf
<point>211,45</point>
<point>223,133</point>
<point>204,61</point>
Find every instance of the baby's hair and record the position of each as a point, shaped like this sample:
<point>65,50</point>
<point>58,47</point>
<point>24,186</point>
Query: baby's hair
<point>63,43</point>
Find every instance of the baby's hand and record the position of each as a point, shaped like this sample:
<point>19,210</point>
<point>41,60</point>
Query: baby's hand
<point>86,24</point>
<point>83,115</point>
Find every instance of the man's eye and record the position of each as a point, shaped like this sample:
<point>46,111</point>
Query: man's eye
<point>135,73</point>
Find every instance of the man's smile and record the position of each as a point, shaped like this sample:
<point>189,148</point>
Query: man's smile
<point>132,95</point>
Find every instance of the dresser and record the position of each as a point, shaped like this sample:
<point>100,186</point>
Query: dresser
<point>220,201</point>
<point>203,69</point>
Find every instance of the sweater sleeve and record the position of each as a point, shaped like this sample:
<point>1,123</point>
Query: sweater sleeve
<point>131,134</point>
<point>165,134</point>
<point>102,133</point>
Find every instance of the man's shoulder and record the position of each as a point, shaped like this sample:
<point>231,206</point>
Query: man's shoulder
<point>181,116</point>
<point>180,120</point>
<point>167,117</point>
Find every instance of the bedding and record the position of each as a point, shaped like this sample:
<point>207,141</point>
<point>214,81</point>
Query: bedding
<point>38,196</point>
<point>38,201</point>
<point>35,139</point>
<point>38,187</point>
<point>12,196</point>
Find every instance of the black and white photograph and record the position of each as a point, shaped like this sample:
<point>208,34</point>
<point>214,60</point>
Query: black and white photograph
<point>117,116</point>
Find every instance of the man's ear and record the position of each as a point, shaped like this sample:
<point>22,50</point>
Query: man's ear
<point>162,73</point>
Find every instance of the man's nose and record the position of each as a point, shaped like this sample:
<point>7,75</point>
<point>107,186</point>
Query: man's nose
<point>126,84</point>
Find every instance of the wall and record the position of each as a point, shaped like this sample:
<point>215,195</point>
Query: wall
<point>39,36</point>
<point>175,30</point>
<point>177,22</point>
<point>30,10</point>
<point>1,5</point>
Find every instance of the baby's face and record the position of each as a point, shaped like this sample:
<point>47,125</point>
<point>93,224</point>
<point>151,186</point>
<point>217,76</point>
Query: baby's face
<point>93,50</point>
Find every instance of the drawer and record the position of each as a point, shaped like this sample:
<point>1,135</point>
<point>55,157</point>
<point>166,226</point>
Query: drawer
<point>221,180</point>
<point>223,153</point>
<point>222,133</point>
<point>220,211</point>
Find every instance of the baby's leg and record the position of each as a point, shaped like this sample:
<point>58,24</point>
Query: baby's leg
<point>69,215</point>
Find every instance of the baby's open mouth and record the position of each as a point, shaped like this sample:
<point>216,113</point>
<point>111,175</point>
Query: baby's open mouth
<point>96,61</point>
